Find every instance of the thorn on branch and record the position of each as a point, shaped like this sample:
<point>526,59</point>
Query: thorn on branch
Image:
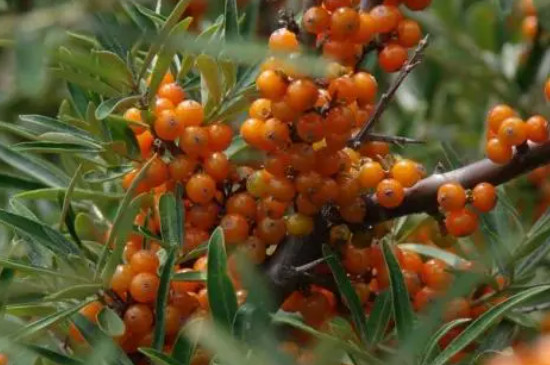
<point>384,101</point>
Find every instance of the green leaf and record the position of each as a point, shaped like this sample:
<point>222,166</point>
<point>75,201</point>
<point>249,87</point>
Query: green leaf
<point>31,59</point>
<point>449,258</point>
<point>210,78</point>
<point>18,130</point>
<point>402,309</point>
<point>42,124</point>
<point>116,70</point>
<point>40,233</point>
<point>85,81</point>
<point>68,195</point>
<point>379,318</point>
<point>47,321</point>
<point>109,106</point>
<point>348,293</point>
<point>433,343</point>
<point>183,349</point>
<point>30,269</point>
<point>231,19</point>
<point>505,6</point>
<point>543,11</point>
<point>221,294</point>
<point>159,357</point>
<point>171,218</point>
<point>110,323</point>
<point>53,356</point>
<point>80,291</point>
<point>52,194</point>
<point>162,297</point>
<point>108,174</point>
<point>54,147</point>
<point>190,276</point>
<point>482,323</point>
<point>8,181</point>
<point>39,169</point>
<point>6,279</point>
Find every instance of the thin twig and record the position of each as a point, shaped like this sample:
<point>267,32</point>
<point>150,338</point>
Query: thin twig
<point>392,139</point>
<point>310,265</point>
<point>388,95</point>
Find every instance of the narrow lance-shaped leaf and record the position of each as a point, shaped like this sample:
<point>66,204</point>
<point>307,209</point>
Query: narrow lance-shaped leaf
<point>110,106</point>
<point>110,323</point>
<point>171,218</point>
<point>183,349</point>
<point>231,19</point>
<point>158,357</point>
<point>379,318</point>
<point>433,343</point>
<point>162,297</point>
<point>53,356</point>
<point>6,279</point>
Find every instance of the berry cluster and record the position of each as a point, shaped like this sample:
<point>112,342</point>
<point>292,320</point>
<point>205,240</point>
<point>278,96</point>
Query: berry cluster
<point>530,23</point>
<point>508,131</point>
<point>536,354</point>
<point>461,221</point>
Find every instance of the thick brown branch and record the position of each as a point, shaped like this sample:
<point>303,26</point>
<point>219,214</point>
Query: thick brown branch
<point>295,252</point>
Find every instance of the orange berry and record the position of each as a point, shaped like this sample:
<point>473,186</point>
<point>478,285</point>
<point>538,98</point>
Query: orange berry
<point>299,224</point>
<point>386,18</point>
<point>182,167</point>
<point>417,4</point>
<point>243,204</point>
<point>339,50</point>
<point>349,189</point>
<point>370,175</point>
<point>281,188</point>
<point>392,57</point>
<point>168,78</point>
<point>157,173</point>
<point>302,157</point>
<point>138,319</point>
<point>172,92</point>
<point>255,249</point>
<point>271,85</point>
<point>332,5</point>
<point>390,193</point>
<point>172,319</point>
<point>457,308</point>
<point>461,223</point>
<point>276,134</point>
<point>203,216</point>
<point>90,311</point>
<point>343,90</point>
<point>194,141</point>
<point>499,152</point>
<point>271,231</point>
<point>356,261</point>
<point>185,286</point>
<point>424,297</point>
<point>451,196</point>
<point>282,111</point>
<point>217,166</point>
<point>354,212</point>
<point>498,114</point>
<point>484,197</point>
<point>252,131</point>
<point>271,208</point>
<point>120,282</point>
<point>145,142</point>
<point>190,112</point>
<point>367,29</point>
<point>3,359</point>
<point>301,95</point>
<point>168,126</point>
<point>162,104</point>
<point>412,282</point>
<point>316,20</point>
<point>374,149</point>
<point>235,228</point>
<point>310,127</point>
<point>366,87</point>
<point>144,287</point>
<point>328,192</point>
<point>530,27</point>
<point>201,188</point>
<point>344,23</point>
<point>283,40</point>
<point>144,261</point>
<point>411,261</point>
<point>305,206</point>
<point>537,129</point>
<point>547,89</point>
<point>408,33</point>
<point>220,136</point>
<point>406,172</point>
<point>260,109</point>
<point>512,131</point>
<point>339,120</point>
<point>315,309</point>
<point>435,275</point>
<point>134,114</point>
<point>257,183</point>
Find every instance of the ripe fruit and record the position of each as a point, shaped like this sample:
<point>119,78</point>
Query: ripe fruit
<point>392,57</point>
<point>344,23</point>
<point>271,85</point>
<point>201,188</point>
<point>435,275</point>
<point>547,89</point>
<point>144,287</point>
<point>366,87</point>
<point>299,225</point>
<point>354,211</point>
<point>537,129</point>
<point>356,261</point>
<point>217,166</point>
<point>512,131</point>
<point>451,196</point>
<point>157,173</point>
<point>182,167</point>
<point>144,261</point>
<point>260,109</point>
<point>406,172</point>
<point>424,298</point>
<point>367,29</point>
<point>271,231</point>
<point>3,359</point>
<point>138,319</point>
<point>316,20</point>
<point>194,141</point>
<point>203,216</point>
<point>499,152</point>
<point>235,228</point>
<point>90,311</point>
<point>332,5</point>
<point>190,112</point>
<point>484,197</point>
<point>283,40</point>
<point>461,223</point>
<point>134,115</point>
<point>310,127</point>
<point>385,17</point>
<point>390,193</point>
<point>374,149</point>
<point>168,126</point>
<point>498,114</point>
<point>457,308</point>
<point>408,33</point>
<point>172,92</point>
<point>243,204</point>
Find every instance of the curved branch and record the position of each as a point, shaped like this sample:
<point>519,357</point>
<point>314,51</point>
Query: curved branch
<point>294,251</point>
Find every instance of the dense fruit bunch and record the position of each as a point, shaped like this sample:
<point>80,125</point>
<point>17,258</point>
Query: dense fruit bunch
<point>508,132</point>
<point>537,354</point>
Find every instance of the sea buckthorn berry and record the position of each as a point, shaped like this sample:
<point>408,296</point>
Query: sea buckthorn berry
<point>362,290</point>
<point>252,131</point>
<point>367,29</point>
<point>217,166</point>
<point>203,216</point>
<point>547,89</point>
<point>235,228</point>
<point>498,114</point>
<point>157,173</point>
<point>172,92</point>
<point>257,183</point>
<point>457,308</point>
<point>366,87</point>
<point>411,261</point>
<point>451,196</point>
<point>281,188</point>
<point>302,157</point>
<point>386,18</point>
<point>194,141</point>
<point>349,189</point>
<point>308,182</point>
<point>412,281</point>
<point>162,104</point>
<point>138,319</point>
<point>120,282</point>
<point>271,208</point>
<point>343,90</point>
<point>537,129</point>
<point>182,167</point>
<point>374,149</point>
<point>144,287</point>
<point>332,5</point>
<point>255,249</point>
<point>339,51</point>
<point>271,231</point>
<point>299,224</point>
<point>190,112</point>
<point>3,359</point>
<point>168,126</point>
<point>283,40</point>
<point>499,152</point>
<point>243,204</point>
<point>145,142</point>
<point>201,188</point>
<point>276,134</point>
<point>406,172</point>
<point>356,261</point>
<point>90,311</point>
<point>417,4</point>
<point>370,175</point>
<point>316,20</point>
<point>271,85</point>
<point>129,178</point>
<point>277,163</point>
<point>339,234</point>
<point>220,136</point>
<point>484,197</point>
<point>408,33</point>
<point>134,114</point>
<point>390,193</point>
<point>301,95</point>
<point>354,212</point>
<point>461,223</point>
<point>282,111</point>
<point>344,23</point>
<point>328,192</point>
<point>339,120</point>
<point>310,127</point>
<point>392,57</point>
<point>260,109</point>
<point>512,132</point>
<point>530,27</point>
<point>305,206</point>
<point>337,141</point>
<point>144,261</point>
<point>435,275</point>
<point>424,298</point>
<point>172,319</point>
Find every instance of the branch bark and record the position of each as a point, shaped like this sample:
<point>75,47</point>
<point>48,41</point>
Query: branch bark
<point>295,252</point>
